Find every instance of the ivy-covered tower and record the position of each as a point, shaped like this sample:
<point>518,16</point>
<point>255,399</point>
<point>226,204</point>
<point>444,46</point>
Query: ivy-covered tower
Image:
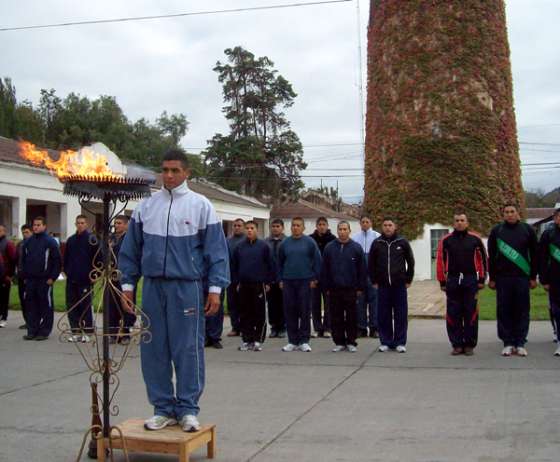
<point>440,127</point>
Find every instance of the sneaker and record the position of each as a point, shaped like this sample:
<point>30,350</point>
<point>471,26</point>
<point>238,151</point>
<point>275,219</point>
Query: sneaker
<point>383,348</point>
<point>257,346</point>
<point>28,337</point>
<point>401,349</point>
<point>327,334</point>
<point>244,346</point>
<point>233,333</point>
<point>469,351</point>
<point>305,347</point>
<point>190,423</point>
<point>159,422</point>
<point>73,339</point>
<point>289,347</point>
<point>352,348</point>
<point>507,351</point>
<point>85,339</point>
<point>41,337</point>
<point>217,345</point>
<point>314,334</point>
<point>557,352</point>
<point>338,348</point>
<point>521,351</point>
<point>457,351</point>
<point>3,323</point>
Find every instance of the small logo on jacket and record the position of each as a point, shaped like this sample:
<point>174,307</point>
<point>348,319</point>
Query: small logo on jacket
<point>187,222</point>
<point>189,311</point>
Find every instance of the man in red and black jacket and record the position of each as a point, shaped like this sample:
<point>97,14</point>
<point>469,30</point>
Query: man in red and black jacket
<point>461,272</point>
<point>9,260</point>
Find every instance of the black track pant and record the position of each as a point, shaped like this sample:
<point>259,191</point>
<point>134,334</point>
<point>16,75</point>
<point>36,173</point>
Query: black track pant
<point>462,312</point>
<point>78,304</point>
<point>4,299</point>
<point>276,309</point>
<point>343,316</point>
<point>513,305</point>
<point>252,312</point>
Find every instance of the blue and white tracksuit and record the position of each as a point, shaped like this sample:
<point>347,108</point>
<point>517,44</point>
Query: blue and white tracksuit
<point>175,241</point>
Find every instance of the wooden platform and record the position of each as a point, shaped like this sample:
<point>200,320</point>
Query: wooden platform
<point>170,440</point>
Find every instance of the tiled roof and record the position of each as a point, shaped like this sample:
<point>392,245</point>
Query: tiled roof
<point>305,209</point>
<point>539,213</point>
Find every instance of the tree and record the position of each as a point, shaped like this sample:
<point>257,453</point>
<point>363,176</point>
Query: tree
<point>261,156</point>
<point>8,103</point>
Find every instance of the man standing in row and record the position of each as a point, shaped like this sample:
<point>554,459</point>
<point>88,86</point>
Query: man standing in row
<point>461,272</point>
<point>232,295</point>
<point>253,266</point>
<point>549,271</point>
<point>512,252</point>
<point>367,301</point>
<point>344,277</point>
<point>275,306</point>
<point>300,266</point>
<point>81,250</point>
<point>9,260</point>
<point>26,233</point>
<point>319,300</point>
<point>41,265</point>
<point>391,270</point>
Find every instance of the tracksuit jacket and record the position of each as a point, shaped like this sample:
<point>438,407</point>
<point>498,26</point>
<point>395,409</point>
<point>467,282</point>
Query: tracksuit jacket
<point>253,262</point>
<point>461,253</point>
<point>79,258</point>
<point>549,267</point>
<point>322,239</point>
<point>344,266</point>
<point>391,261</point>
<point>41,258</point>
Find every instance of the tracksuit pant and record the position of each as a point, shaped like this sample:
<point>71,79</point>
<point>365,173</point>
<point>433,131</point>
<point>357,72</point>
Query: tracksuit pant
<point>554,300</point>
<point>21,294</point>
<point>4,299</point>
<point>320,310</point>
<point>513,304</point>
<point>233,308</point>
<point>40,306</point>
<point>275,309</point>
<point>252,313</point>
<point>343,316</point>
<point>78,304</point>
<point>367,308</point>
<point>462,311</point>
<point>119,319</point>
<point>176,324</point>
<point>214,325</point>
<point>393,308</point>
<point>297,310</point>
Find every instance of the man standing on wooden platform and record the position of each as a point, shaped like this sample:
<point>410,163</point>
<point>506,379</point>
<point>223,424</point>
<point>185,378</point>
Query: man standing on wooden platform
<point>461,272</point>
<point>175,241</point>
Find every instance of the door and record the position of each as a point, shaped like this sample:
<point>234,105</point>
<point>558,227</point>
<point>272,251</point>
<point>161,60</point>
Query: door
<point>435,237</point>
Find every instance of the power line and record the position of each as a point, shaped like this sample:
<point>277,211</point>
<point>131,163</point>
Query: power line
<point>167,16</point>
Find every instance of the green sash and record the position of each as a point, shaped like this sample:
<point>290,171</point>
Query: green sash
<point>555,252</point>
<point>514,256</point>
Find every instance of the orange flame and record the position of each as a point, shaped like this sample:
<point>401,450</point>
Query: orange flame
<point>70,163</point>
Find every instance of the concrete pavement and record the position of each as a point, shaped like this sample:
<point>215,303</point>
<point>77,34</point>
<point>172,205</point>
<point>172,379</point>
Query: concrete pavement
<point>272,406</point>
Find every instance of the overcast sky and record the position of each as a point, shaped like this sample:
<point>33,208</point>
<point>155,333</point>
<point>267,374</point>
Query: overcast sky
<point>152,66</point>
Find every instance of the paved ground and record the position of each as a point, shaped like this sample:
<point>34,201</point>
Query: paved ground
<point>272,406</point>
<point>426,300</point>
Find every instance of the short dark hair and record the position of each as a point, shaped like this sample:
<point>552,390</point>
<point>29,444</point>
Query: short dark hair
<point>239,219</point>
<point>177,154</point>
<point>322,220</point>
<point>252,222</point>
<point>388,219</point>
<point>343,222</point>
<point>556,212</point>
<point>277,221</point>
<point>365,215</point>
<point>510,204</point>
<point>298,219</point>
<point>81,215</point>
<point>123,218</point>
<point>24,227</point>
<point>459,212</point>
<point>41,219</point>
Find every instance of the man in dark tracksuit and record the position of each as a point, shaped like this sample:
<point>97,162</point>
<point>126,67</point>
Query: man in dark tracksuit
<point>41,264</point>
<point>344,276</point>
<point>300,267</point>
<point>549,269</point>
<point>81,250</point>
<point>119,319</point>
<point>9,259</point>
<point>391,270</point>
<point>512,265</point>
<point>26,233</point>
<point>275,307</point>
<point>253,266</point>
<point>232,295</point>
<point>461,272</point>
<point>319,300</point>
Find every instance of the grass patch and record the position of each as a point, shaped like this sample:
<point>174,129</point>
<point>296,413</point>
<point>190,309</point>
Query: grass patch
<point>539,304</point>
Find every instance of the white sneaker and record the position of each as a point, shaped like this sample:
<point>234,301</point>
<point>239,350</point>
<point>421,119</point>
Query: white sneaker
<point>338,348</point>
<point>3,323</point>
<point>158,422</point>
<point>73,339</point>
<point>305,347</point>
<point>257,346</point>
<point>521,351</point>
<point>507,351</point>
<point>352,349</point>
<point>190,423</point>
<point>557,352</point>
<point>314,334</point>
<point>401,349</point>
<point>327,334</point>
<point>383,348</point>
<point>85,339</point>
<point>244,346</point>
<point>289,347</point>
